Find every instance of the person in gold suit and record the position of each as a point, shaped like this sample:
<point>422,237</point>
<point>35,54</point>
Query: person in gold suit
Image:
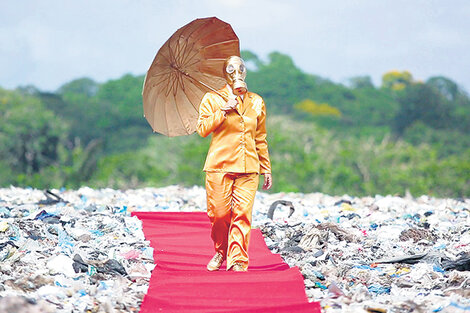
<point>238,154</point>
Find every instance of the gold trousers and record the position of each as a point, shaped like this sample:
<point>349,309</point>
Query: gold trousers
<point>230,198</point>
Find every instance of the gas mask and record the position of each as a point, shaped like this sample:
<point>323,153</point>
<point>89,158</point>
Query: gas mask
<point>235,73</point>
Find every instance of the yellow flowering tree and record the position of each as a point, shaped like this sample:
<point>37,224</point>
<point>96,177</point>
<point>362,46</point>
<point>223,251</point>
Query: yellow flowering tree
<point>397,80</point>
<point>317,109</point>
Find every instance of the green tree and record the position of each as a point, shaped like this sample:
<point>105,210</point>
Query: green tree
<point>422,102</point>
<point>126,127</point>
<point>84,86</point>
<point>278,81</point>
<point>110,112</point>
<point>30,135</point>
<point>456,100</point>
<point>359,82</point>
<point>446,87</point>
<point>396,80</point>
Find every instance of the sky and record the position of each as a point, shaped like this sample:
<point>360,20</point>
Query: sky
<point>48,43</point>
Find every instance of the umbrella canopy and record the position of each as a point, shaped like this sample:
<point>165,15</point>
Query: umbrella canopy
<point>188,65</point>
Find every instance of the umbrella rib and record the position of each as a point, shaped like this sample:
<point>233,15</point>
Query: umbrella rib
<point>170,84</point>
<point>177,53</point>
<point>192,104</point>
<point>213,59</point>
<point>186,54</point>
<point>162,73</point>
<point>188,46</point>
<point>180,81</point>
<point>164,118</point>
<point>216,59</point>
<point>176,83</point>
<point>190,57</point>
<point>178,111</point>
<point>164,57</point>
<point>167,85</point>
<point>159,74</point>
<point>154,107</point>
<point>143,85</point>
<point>221,42</point>
<point>196,29</point>
<point>193,63</point>
<point>207,74</point>
<point>202,25</point>
<point>158,83</point>
<point>172,56</point>
<point>194,41</point>
<point>170,48</point>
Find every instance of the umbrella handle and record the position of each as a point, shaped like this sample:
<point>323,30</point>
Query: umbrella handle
<point>200,82</point>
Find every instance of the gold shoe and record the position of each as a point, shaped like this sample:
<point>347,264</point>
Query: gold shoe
<point>238,267</point>
<point>215,263</point>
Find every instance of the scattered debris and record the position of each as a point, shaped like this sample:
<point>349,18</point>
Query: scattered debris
<point>276,203</point>
<point>375,254</point>
<point>80,250</point>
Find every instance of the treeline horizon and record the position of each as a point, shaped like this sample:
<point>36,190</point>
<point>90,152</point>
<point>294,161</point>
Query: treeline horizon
<point>356,138</point>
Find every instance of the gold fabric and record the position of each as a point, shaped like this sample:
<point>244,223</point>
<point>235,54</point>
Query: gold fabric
<point>230,198</point>
<point>238,153</point>
<point>239,142</point>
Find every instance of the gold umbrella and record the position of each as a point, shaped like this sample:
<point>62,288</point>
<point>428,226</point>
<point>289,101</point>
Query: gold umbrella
<point>188,65</point>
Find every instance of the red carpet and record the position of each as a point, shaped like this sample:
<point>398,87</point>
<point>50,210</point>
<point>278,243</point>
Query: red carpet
<point>181,283</point>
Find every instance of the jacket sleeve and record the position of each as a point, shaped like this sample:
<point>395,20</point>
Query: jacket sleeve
<point>262,143</point>
<point>209,118</point>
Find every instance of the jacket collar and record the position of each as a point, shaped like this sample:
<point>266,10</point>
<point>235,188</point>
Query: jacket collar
<point>242,104</point>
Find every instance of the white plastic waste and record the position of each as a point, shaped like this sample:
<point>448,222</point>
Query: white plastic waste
<point>86,253</point>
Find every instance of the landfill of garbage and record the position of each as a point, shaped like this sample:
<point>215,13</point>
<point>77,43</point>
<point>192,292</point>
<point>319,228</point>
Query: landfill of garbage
<point>71,251</point>
<point>373,254</point>
<point>81,251</point>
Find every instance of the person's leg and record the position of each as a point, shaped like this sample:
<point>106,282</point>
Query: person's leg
<point>219,199</point>
<point>243,198</point>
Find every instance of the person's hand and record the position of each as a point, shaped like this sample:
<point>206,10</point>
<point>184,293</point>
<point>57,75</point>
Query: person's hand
<point>268,181</point>
<point>229,105</point>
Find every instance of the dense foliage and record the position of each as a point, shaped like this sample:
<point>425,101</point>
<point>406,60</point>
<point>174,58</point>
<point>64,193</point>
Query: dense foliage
<point>323,136</point>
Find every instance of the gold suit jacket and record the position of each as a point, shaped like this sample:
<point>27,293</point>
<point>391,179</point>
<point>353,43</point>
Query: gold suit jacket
<point>239,142</point>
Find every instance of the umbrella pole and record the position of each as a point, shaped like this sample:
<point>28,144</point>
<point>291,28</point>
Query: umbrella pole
<point>200,82</point>
<point>207,86</point>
